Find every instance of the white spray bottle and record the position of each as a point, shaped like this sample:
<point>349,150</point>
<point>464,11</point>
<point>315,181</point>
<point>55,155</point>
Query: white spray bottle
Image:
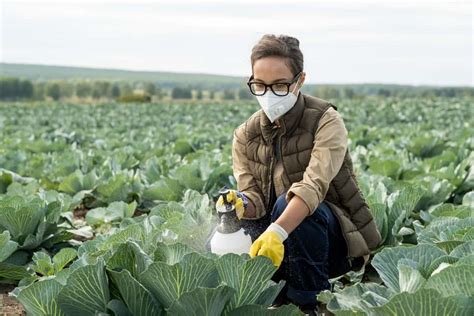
<point>229,237</point>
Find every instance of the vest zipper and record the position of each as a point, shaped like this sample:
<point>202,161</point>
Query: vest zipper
<point>272,166</point>
<point>271,181</point>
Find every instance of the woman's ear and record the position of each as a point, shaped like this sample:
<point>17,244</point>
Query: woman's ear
<point>302,78</point>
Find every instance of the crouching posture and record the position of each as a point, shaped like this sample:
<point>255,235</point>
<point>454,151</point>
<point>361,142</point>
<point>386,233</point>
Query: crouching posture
<point>297,193</point>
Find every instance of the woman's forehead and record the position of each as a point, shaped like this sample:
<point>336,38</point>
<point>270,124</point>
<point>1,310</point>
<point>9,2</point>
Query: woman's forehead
<point>271,68</point>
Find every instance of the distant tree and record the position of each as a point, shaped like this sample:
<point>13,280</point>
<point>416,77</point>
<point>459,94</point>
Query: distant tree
<point>96,92</point>
<point>53,90</point>
<point>14,88</point>
<point>39,90</point>
<point>468,92</point>
<point>383,92</point>
<point>83,89</point>
<point>181,93</point>
<point>229,94</point>
<point>348,93</point>
<point>211,95</point>
<point>448,92</point>
<point>326,92</point>
<point>199,94</point>
<point>66,88</point>
<point>115,91</point>
<point>126,89</point>
<point>100,89</point>
<point>150,88</point>
<point>8,88</point>
<point>428,93</point>
<point>159,93</point>
<point>26,89</point>
<point>244,94</point>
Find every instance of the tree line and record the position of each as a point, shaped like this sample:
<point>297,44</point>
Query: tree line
<point>24,89</point>
<point>145,91</point>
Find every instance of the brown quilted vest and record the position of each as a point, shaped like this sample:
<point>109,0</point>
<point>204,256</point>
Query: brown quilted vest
<point>343,196</point>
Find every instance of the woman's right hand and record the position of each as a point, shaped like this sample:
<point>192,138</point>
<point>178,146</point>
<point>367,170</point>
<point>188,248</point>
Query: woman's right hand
<point>237,199</point>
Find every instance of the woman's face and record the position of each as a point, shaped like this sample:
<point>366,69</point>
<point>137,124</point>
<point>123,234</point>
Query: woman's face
<point>274,69</point>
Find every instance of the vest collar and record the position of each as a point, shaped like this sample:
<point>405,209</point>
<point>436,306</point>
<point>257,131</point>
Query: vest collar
<point>289,121</point>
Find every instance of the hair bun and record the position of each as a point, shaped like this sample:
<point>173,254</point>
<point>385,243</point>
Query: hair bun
<point>290,40</point>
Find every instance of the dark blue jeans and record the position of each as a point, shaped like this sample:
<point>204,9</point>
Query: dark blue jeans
<point>314,252</point>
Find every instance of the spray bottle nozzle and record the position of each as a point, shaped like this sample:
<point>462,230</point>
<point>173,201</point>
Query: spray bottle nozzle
<point>223,192</point>
<point>228,221</point>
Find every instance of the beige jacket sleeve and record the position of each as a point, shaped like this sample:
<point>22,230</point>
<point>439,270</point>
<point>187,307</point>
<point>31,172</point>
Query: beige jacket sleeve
<point>330,145</point>
<point>245,180</point>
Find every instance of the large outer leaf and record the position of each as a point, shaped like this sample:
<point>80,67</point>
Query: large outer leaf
<point>453,280</point>
<point>448,209</point>
<point>10,271</point>
<point>73,183</point>
<point>258,310</point>
<point>118,308</point>
<point>165,189</point>
<point>468,199</point>
<point>134,231</point>
<point>202,301</point>
<point>137,298</point>
<point>379,211</point>
<point>115,211</point>
<point>386,261</point>
<point>400,206</point>
<point>115,189</point>
<point>189,176</point>
<point>43,264</point>
<point>7,247</point>
<point>171,254</point>
<point>437,262</point>
<point>20,217</point>
<point>86,291</point>
<point>404,200</point>
<point>425,302</point>
<point>40,298</point>
<point>444,229</point>
<point>248,277</point>
<point>356,298</point>
<point>270,293</point>
<point>169,282</point>
<point>386,167</point>
<point>63,257</point>
<point>410,279</point>
<point>6,178</point>
<point>129,256</point>
<point>197,206</point>
<point>465,249</point>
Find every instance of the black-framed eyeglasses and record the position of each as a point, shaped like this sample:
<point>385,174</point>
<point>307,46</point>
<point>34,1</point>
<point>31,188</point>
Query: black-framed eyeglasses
<point>280,88</point>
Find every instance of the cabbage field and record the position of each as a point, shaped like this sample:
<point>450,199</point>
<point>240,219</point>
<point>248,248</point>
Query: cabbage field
<point>105,210</point>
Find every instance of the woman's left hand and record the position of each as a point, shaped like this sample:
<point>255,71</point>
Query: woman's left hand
<point>270,244</point>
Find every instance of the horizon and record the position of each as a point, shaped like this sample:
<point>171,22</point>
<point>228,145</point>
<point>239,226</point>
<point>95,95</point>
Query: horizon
<point>234,76</point>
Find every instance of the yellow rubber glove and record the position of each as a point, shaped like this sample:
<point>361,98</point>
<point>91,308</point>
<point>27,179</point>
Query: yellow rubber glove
<point>270,244</point>
<point>237,198</point>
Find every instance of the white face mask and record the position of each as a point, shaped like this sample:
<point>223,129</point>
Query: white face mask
<point>276,106</point>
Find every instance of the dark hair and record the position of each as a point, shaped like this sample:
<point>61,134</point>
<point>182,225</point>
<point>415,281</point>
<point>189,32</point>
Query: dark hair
<point>281,45</point>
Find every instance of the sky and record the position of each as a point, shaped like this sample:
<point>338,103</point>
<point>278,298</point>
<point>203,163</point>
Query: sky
<point>418,42</point>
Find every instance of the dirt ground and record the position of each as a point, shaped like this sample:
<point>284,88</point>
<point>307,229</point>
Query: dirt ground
<point>9,306</point>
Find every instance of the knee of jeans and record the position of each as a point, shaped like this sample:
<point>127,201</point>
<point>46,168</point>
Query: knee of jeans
<point>279,207</point>
<point>322,213</point>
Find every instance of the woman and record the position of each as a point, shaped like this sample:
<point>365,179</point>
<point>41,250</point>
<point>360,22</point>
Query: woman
<point>297,194</point>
